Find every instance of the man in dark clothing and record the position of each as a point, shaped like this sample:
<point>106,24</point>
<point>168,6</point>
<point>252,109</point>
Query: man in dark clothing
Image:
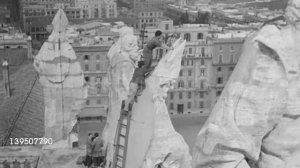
<point>97,150</point>
<point>156,41</point>
<point>89,149</point>
<point>138,80</point>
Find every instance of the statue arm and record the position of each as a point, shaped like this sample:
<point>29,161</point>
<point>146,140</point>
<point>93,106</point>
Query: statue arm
<point>233,134</point>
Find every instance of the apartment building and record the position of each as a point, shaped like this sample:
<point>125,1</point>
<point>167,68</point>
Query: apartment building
<point>226,53</point>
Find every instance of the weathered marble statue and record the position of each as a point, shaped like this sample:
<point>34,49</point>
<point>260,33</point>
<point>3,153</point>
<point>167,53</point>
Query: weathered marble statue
<point>256,121</point>
<point>152,136</point>
<point>63,84</point>
<point>123,56</point>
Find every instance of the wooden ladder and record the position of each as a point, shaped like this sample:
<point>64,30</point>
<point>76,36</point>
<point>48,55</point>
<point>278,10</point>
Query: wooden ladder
<point>122,134</point>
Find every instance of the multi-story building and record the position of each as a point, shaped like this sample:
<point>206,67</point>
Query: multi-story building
<point>137,5</point>
<point>94,64</point>
<point>209,58</point>
<point>15,48</point>
<point>5,16</point>
<point>190,94</point>
<point>226,52</point>
<point>149,17</point>
<point>44,11</point>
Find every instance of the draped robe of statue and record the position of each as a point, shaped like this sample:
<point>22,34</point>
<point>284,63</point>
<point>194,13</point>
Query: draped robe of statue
<point>256,121</point>
<point>62,78</point>
<point>122,55</point>
<point>152,135</point>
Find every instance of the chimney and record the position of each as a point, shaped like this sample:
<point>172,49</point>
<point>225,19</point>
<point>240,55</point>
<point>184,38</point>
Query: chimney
<point>6,80</point>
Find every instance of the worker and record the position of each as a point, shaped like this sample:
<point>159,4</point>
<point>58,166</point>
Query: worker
<point>156,41</point>
<point>138,80</point>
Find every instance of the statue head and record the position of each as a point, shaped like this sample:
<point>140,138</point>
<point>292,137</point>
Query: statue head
<point>292,13</point>
<point>129,44</point>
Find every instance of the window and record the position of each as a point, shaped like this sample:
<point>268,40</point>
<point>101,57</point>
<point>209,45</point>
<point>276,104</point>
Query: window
<point>86,57</point>
<point>167,27</point>
<point>203,52</point>
<point>98,57</point>
<point>201,85</point>
<point>202,72</point>
<point>180,95</point>
<point>87,79</point>
<point>98,67</point>
<point>161,51</point>
<point>190,50</point>
<point>231,58</point>
<point>220,59</point>
<point>182,62</point>
<point>99,89</point>
<point>190,84</point>
<point>189,95</point>
<point>181,73</point>
<point>87,102</point>
<point>189,105</point>
<point>192,62</point>
<point>202,62</point>
<point>171,95</point>
<point>219,69</point>
<point>220,48</point>
<point>180,84</point>
<point>200,35</point>
<point>218,93</point>
<point>98,101</point>
<point>220,80</point>
<point>86,67</point>
<point>201,95</point>
<point>201,104</point>
<point>187,36</point>
<point>231,69</point>
<point>171,106</point>
<point>190,72</point>
<point>232,48</point>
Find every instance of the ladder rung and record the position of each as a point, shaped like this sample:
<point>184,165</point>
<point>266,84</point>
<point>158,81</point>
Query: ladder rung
<point>119,156</point>
<point>123,136</point>
<point>123,125</point>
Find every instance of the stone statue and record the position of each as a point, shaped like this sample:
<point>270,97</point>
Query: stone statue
<point>63,84</point>
<point>123,56</point>
<point>255,123</point>
<point>152,138</point>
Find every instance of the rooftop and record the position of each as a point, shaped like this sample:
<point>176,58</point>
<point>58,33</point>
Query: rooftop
<point>25,107</point>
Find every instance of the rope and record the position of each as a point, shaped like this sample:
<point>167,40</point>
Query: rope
<point>62,83</point>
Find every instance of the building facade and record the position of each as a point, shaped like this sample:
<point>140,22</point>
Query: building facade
<point>5,16</point>
<point>226,53</point>
<point>94,64</point>
<point>190,92</point>
<point>137,5</point>
<point>16,48</point>
<point>149,17</point>
<point>209,59</point>
<point>44,11</point>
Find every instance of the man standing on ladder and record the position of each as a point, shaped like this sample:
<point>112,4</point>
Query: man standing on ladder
<point>138,78</point>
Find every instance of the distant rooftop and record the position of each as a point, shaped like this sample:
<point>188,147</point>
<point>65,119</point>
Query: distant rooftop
<point>25,107</point>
